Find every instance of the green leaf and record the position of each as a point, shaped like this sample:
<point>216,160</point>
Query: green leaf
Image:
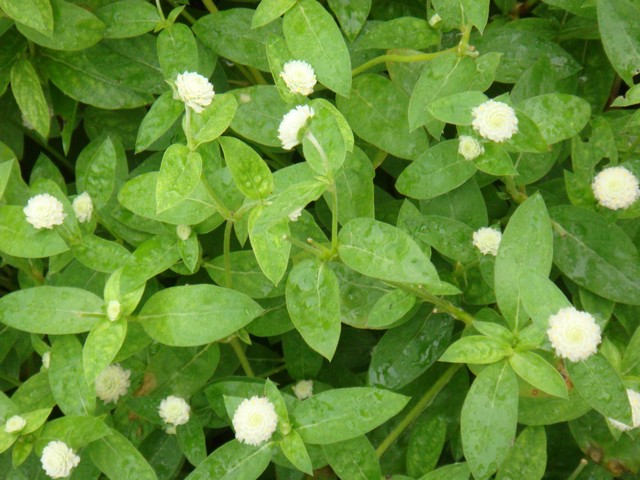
<point>528,457</point>
<point>313,302</point>
<point>490,411</point>
<point>128,18</point>
<point>151,258</point>
<point>116,457</point>
<point>456,108</point>
<point>77,431</point>
<point>344,413</point>
<point>162,115</point>
<point>447,235</point>
<point>533,287</point>
<point>437,171</point>
<point>538,372</point>
<point>403,32</point>
<point>102,346</point>
<point>177,51</point>
<point>353,459</point>
<point>596,254</point>
<point>51,310</point>
<point>196,314</point>
<point>36,14</point>
<point>179,175</point>
<point>620,35</point>
<point>98,168</point>
<point>495,161</point>
<point>260,111</point>
<point>312,35</point>
<point>234,460</point>
<point>293,448</point>
<point>269,10</point>
<point>426,442</point>
<point>455,471</point>
<point>390,308</point>
<point>324,144</point>
<point>600,385</point>
<point>27,91</point>
<point>192,441</point>
<point>476,349</point>
<point>19,239</point>
<point>526,246</point>
<point>406,352</point>
<point>250,173</point>
<point>351,15</point>
<point>354,184</point>
<point>301,361</point>
<point>214,120</point>
<point>270,246</point>
<point>377,111</point>
<point>100,255</point>
<point>558,116</point>
<point>476,11</point>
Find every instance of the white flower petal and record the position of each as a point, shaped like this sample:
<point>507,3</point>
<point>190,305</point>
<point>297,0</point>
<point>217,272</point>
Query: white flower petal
<point>83,207</point>
<point>615,188</point>
<point>194,90</point>
<point>14,424</point>
<point>112,383</point>
<point>574,335</point>
<point>469,147</point>
<point>299,77</point>
<point>291,125</point>
<point>44,211</point>
<point>58,459</point>
<point>634,400</point>
<point>496,121</point>
<point>174,411</point>
<point>487,240</point>
<point>255,420</point>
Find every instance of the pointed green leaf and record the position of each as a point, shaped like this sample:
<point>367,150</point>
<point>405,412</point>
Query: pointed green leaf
<point>177,51</point>
<point>102,346</point>
<point>116,457</point>
<point>528,457</point>
<point>36,14</point>
<point>162,115</point>
<point>476,349</point>
<point>293,448</point>
<point>234,460</point>
<point>353,459</point>
<point>179,175</point>
<point>27,91</point>
<point>213,120</point>
<point>538,372</point>
<point>621,35</point>
<point>250,172</point>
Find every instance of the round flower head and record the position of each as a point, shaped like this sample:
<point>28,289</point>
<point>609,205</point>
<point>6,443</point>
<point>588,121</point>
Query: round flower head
<point>44,211</point>
<point>14,424</point>
<point>58,459</point>
<point>615,188</point>
<point>194,90</point>
<point>83,207</point>
<point>299,77</point>
<point>469,147</point>
<point>46,360</point>
<point>634,400</point>
<point>113,310</point>
<point>574,335</point>
<point>112,383</point>
<point>496,121</point>
<point>487,240</point>
<point>174,411</point>
<point>291,125</point>
<point>255,420</point>
<point>183,232</point>
<point>303,389</point>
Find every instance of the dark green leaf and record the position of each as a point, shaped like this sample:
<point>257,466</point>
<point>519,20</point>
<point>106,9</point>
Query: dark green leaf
<point>353,459</point>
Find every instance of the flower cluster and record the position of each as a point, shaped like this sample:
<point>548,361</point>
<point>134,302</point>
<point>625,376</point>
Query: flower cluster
<point>496,121</point>
<point>112,383</point>
<point>469,147</point>
<point>299,77</point>
<point>487,240</point>
<point>634,400</point>
<point>574,335</point>
<point>44,211</point>
<point>174,411</point>
<point>194,90</point>
<point>616,188</point>
<point>255,420</point>
<point>292,124</point>
<point>58,459</point>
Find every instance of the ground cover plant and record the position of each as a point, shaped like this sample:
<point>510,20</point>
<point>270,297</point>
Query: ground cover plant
<point>296,239</point>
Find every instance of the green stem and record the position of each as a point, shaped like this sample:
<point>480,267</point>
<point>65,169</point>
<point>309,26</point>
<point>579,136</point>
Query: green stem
<point>257,76</point>
<point>244,361</point>
<point>420,57</point>
<point>514,192</point>
<point>184,12</point>
<point>581,466</point>
<point>418,408</point>
<point>323,155</point>
<point>219,205</point>
<point>440,303</point>
<point>227,253</point>
<point>303,246</point>
<point>160,12</point>
<point>187,129</point>
<point>273,371</point>
<point>210,6</point>
<point>334,219</point>
<point>464,41</point>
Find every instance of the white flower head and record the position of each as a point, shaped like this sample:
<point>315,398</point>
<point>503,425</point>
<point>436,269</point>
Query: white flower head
<point>496,121</point>
<point>183,232</point>
<point>574,335</point>
<point>14,424</point>
<point>113,310</point>
<point>46,360</point>
<point>299,77</point>
<point>292,124</point>
<point>634,400</point>
<point>295,215</point>
<point>469,147</point>
<point>83,207</point>
<point>58,459</point>
<point>194,90</point>
<point>487,240</point>
<point>615,188</point>
<point>44,211</point>
<point>255,420</point>
<point>112,383</point>
<point>174,411</point>
<point>303,389</point>
<point>434,20</point>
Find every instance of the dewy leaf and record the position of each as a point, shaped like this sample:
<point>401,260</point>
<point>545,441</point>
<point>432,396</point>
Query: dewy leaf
<point>558,116</point>
<point>19,239</point>
<point>234,460</point>
<point>270,247</point>
<point>489,419</point>
<point>128,18</point>
<point>249,171</point>
<point>313,302</point>
<point>538,372</point>
<point>193,315</point>
<point>533,287</point>
<point>456,108</point>
<point>179,175</point>
<point>260,111</point>
<point>476,11</point>
<point>269,10</point>
<point>100,254</point>
<point>351,15</point>
<point>403,32</point>
<point>313,36</point>
<point>528,457</point>
<point>177,51</point>
<point>116,457</point>
<point>353,459</point>
<point>344,413</point>
<point>27,91</point>
<point>620,32</point>
<point>36,14</point>
<point>426,442</point>
<point>101,347</point>
<point>98,167</point>
<point>214,120</point>
<point>162,115</point>
<point>476,349</point>
<point>295,451</point>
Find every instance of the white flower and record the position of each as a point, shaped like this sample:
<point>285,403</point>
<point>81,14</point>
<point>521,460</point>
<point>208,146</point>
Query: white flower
<point>487,240</point>
<point>434,20</point>
<point>496,121</point>
<point>574,335</point>
<point>183,232</point>
<point>303,389</point>
<point>174,411</point>
<point>46,359</point>
<point>83,207</point>
<point>291,125</point>
<point>295,215</point>
<point>615,188</point>
<point>14,424</point>
<point>44,211</point>
<point>194,90</point>
<point>469,147</point>
<point>113,310</point>
<point>255,420</point>
<point>299,77</point>
<point>58,459</point>
<point>634,400</point>
<point>112,383</point>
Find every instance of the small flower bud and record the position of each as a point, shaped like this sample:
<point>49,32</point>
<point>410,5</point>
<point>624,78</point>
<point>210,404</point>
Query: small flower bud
<point>183,232</point>
<point>113,310</point>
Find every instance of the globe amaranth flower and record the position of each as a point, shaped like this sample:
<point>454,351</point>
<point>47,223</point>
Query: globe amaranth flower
<point>299,77</point>
<point>303,389</point>
<point>14,424</point>
<point>487,240</point>
<point>113,310</point>
<point>174,411</point>
<point>615,188</point>
<point>112,383</point>
<point>46,360</point>
<point>58,459</point>
<point>255,420</point>
<point>469,147</point>
<point>183,232</point>
<point>194,90</point>
<point>634,400</point>
<point>83,207</point>
<point>292,124</point>
<point>574,335</point>
<point>44,211</point>
<point>496,121</point>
